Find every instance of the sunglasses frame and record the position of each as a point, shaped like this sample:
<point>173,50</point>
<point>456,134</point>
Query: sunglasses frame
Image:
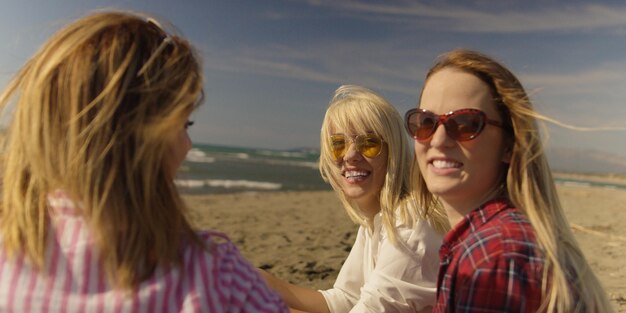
<point>442,119</point>
<point>359,146</point>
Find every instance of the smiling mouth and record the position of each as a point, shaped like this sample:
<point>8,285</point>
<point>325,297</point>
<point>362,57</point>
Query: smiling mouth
<point>445,164</point>
<point>354,175</point>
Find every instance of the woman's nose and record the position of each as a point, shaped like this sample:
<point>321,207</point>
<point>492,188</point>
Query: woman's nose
<point>352,153</point>
<point>440,137</point>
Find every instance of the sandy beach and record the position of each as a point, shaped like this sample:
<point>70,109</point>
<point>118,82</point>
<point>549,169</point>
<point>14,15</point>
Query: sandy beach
<point>304,237</point>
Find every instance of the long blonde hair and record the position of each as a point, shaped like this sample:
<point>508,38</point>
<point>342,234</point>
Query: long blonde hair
<point>95,112</point>
<point>569,282</point>
<point>362,110</point>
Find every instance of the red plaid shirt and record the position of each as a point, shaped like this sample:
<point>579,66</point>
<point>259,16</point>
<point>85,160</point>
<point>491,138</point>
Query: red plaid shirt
<point>490,262</point>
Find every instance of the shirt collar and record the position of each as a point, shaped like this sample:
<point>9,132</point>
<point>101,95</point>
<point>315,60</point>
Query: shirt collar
<point>60,203</point>
<point>474,220</point>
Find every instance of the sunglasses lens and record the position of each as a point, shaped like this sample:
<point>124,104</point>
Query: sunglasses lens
<point>422,125</point>
<point>369,145</point>
<point>411,124</point>
<point>463,126</point>
<point>338,146</point>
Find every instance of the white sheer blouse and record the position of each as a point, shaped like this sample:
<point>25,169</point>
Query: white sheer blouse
<point>379,276</point>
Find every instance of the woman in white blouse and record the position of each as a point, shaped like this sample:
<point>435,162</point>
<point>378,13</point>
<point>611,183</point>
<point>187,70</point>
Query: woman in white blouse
<point>393,264</point>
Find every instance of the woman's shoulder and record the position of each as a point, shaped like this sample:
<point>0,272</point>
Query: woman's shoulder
<point>415,235</point>
<point>217,249</point>
<point>217,243</point>
<point>237,280</point>
<point>509,226</point>
<point>211,235</point>
<point>223,257</point>
<point>507,236</point>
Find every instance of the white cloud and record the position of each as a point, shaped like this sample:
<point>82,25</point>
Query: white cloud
<point>376,65</point>
<point>576,79</point>
<point>385,67</point>
<point>464,19</point>
<point>598,79</point>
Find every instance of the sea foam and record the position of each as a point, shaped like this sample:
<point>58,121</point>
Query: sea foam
<point>198,156</point>
<point>229,184</point>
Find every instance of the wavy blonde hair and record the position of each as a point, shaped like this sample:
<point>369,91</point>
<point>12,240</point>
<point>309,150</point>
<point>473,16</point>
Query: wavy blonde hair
<point>568,281</point>
<point>361,110</point>
<point>95,112</point>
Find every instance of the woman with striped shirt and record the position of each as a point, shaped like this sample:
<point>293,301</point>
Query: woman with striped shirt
<point>90,219</point>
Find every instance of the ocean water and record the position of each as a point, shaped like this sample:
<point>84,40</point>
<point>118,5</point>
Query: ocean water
<point>220,169</point>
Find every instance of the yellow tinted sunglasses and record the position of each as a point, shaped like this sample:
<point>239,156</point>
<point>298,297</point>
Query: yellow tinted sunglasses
<point>369,145</point>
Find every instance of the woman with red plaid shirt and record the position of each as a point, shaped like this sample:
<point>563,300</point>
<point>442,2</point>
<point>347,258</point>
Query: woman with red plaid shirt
<point>479,156</point>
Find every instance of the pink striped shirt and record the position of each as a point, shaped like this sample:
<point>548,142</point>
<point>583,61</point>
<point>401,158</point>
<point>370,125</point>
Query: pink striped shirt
<point>219,281</point>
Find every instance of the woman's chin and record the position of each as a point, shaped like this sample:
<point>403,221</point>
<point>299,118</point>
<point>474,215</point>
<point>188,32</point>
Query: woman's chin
<point>443,190</point>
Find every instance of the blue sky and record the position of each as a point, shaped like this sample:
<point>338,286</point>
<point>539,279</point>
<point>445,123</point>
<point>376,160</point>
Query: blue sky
<point>271,66</point>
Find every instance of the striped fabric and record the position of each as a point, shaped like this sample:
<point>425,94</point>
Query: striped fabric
<point>219,281</point>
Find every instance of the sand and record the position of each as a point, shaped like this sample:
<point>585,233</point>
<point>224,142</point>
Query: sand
<point>304,237</point>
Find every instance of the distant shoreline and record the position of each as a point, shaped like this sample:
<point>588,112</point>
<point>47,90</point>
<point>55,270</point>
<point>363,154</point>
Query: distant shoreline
<point>613,181</point>
<point>608,178</point>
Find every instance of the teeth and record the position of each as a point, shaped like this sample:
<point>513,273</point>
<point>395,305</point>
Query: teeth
<point>445,164</point>
<point>351,174</point>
